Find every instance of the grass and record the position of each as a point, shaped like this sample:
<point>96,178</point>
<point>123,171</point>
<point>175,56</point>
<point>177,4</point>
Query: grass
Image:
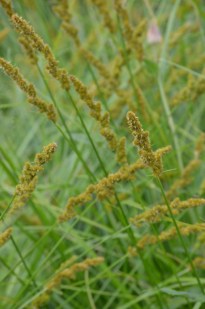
<point>52,263</point>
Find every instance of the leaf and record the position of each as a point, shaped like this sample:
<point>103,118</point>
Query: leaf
<point>173,292</point>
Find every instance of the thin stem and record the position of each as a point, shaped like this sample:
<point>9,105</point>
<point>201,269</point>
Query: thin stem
<point>97,85</point>
<point>171,124</point>
<point>12,271</point>
<point>90,297</point>
<point>88,134</point>
<point>6,210</point>
<point>161,88</point>
<point>23,261</point>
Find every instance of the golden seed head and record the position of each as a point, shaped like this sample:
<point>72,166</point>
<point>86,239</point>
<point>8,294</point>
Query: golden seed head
<point>29,90</point>
<point>104,11</point>
<point>26,44</point>
<point>110,137</point>
<point>24,28</point>
<point>185,230</point>
<point>70,272</point>
<point>28,178</point>
<point>44,156</point>
<point>103,189</point>
<point>157,213</point>
<point>200,145</point>
<point>121,155</point>
<point>7,7</point>
<point>4,237</point>
<point>14,74</point>
<point>141,140</point>
<point>105,120</point>
<point>82,90</point>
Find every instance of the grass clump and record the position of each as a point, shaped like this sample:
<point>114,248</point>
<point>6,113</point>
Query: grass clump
<point>104,226</point>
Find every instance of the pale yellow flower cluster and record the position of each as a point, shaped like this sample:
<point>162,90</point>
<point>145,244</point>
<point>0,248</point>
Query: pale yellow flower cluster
<point>67,273</point>
<point>29,90</point>
<point>25,29</point>
<point>185,230</point>
<point>103,189</point>
<point>141,140</point>
<point>28,178</point>
<point>5,236</point>
<point>104,11</point>
<point>157,213</point>
<point>132,36</point>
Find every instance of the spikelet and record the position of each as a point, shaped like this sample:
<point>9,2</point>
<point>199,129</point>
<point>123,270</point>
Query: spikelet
<point>185,230</point>
<point>26,44</point>
<point>68,273</point>
<point>6,4</point>
<point>29,90</point>
<point>125,19</point>
<point>5,236</point>
<point>133,37</point>
<point>82,90</point>
<point>199,262</point>
<point>110,137</point>
<point>141,140</point>
<point>158,212</point>
<point>200,145</point>
<point>26,30</point>
<point>132,251</point>
<point>28,178</point>
<point>14,74</point>
<point>152,215</point>
<point>28,48</point>
<point>95,112</point>
<point>103,189</point>
<point>107,132</point>
<point>62,11</point>
<point>104,11</point>
<point>121,155</point>
<point>194,89</point>
<point>109,82</point>
<point>137,41</point>
<point>116,66</point>
<point>102,69</point>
